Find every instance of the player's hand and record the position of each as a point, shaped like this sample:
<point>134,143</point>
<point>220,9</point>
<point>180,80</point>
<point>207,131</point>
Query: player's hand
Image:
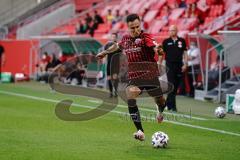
<point>101,55</point>
<point>184,68</point>
<point>159,49</point>
<point>190,58</point>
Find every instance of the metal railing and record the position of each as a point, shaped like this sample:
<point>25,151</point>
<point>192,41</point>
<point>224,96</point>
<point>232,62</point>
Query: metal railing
<point>207,65</point>
<point>223,53</point>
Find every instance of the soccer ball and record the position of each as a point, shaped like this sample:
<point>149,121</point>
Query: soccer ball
<point>220,112</point>
<point>160,140</point>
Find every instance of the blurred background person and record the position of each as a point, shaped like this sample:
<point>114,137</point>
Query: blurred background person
<point>126,13</point>
<point>193,66</point>
<point>97,19</point>
<point>81,27</point>
<point>118,17</point>
<point>88,19</point>
<point>113,66</point>
<point>110,17</point>
<point>50,68</point>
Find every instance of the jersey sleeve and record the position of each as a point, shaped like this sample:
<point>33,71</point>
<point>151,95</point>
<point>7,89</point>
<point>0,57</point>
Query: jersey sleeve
<point>149,40</point>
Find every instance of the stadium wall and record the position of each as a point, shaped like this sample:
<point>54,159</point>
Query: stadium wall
<point>20,56</point>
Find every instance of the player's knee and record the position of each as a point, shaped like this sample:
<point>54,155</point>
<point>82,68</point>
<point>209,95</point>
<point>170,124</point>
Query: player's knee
<point>132,92</point>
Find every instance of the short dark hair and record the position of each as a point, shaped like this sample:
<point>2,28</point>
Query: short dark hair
<point>132,17</point>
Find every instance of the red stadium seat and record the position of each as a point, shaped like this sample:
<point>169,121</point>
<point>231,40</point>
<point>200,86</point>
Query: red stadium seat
<point>125,7</point>
<point>156,26</point>
<point>151,15</point>
<point>136,8</point>
<point>102,28</point>
<point>157,16</point>
<point>176,13</point>
<point>183,33</point>
<point>191,1</point>
<point>118,26</point>
<point>85,4</point>
<point>159,4</point>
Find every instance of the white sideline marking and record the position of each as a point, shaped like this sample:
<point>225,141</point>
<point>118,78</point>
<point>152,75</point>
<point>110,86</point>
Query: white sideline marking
<point>83,106</point>
<point>151,110</point>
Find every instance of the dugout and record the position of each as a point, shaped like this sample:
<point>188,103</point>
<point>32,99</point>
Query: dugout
<point>83,48</point>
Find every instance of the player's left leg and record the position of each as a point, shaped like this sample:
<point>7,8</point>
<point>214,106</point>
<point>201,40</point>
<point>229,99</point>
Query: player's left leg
<point>132,93</point>
<point>156,92</point>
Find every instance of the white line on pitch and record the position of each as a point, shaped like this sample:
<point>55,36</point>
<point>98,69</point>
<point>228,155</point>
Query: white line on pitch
<point>90,107</point>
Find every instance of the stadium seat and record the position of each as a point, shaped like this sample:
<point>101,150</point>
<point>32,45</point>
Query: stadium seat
<point>151,15</point>
<point>136,8</point>
<point>176,13</point>
<point>117,26</point>
<point>191,1</point>
<point>183,33</point>
<point>154,16</point>
<point>102,28</point>
<point>125,7</point>
<point>157,26</point>
<point>85,4</point>
<point>105,10</point>
<point>158,5</point>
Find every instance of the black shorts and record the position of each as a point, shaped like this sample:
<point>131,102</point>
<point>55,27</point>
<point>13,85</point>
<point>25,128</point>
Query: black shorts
<point>152,87</point>
<point>112,70</point>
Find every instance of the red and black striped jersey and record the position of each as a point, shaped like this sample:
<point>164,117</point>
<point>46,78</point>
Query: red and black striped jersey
<point>140,55</point>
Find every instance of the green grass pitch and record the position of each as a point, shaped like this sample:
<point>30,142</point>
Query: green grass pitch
<point>30,130</point>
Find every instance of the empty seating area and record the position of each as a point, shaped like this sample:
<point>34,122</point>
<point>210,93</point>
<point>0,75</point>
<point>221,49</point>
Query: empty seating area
<point>193,15</point>
<point>81,5</point>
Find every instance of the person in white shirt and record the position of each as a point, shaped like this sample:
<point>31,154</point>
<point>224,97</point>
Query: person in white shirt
<point>193,66</point>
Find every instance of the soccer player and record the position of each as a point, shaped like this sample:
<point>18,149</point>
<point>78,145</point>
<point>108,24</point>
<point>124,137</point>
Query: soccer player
<point>113,66</point>
<point>139,48</point>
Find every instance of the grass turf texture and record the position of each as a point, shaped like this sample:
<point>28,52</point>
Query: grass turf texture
<point>29,129</point>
